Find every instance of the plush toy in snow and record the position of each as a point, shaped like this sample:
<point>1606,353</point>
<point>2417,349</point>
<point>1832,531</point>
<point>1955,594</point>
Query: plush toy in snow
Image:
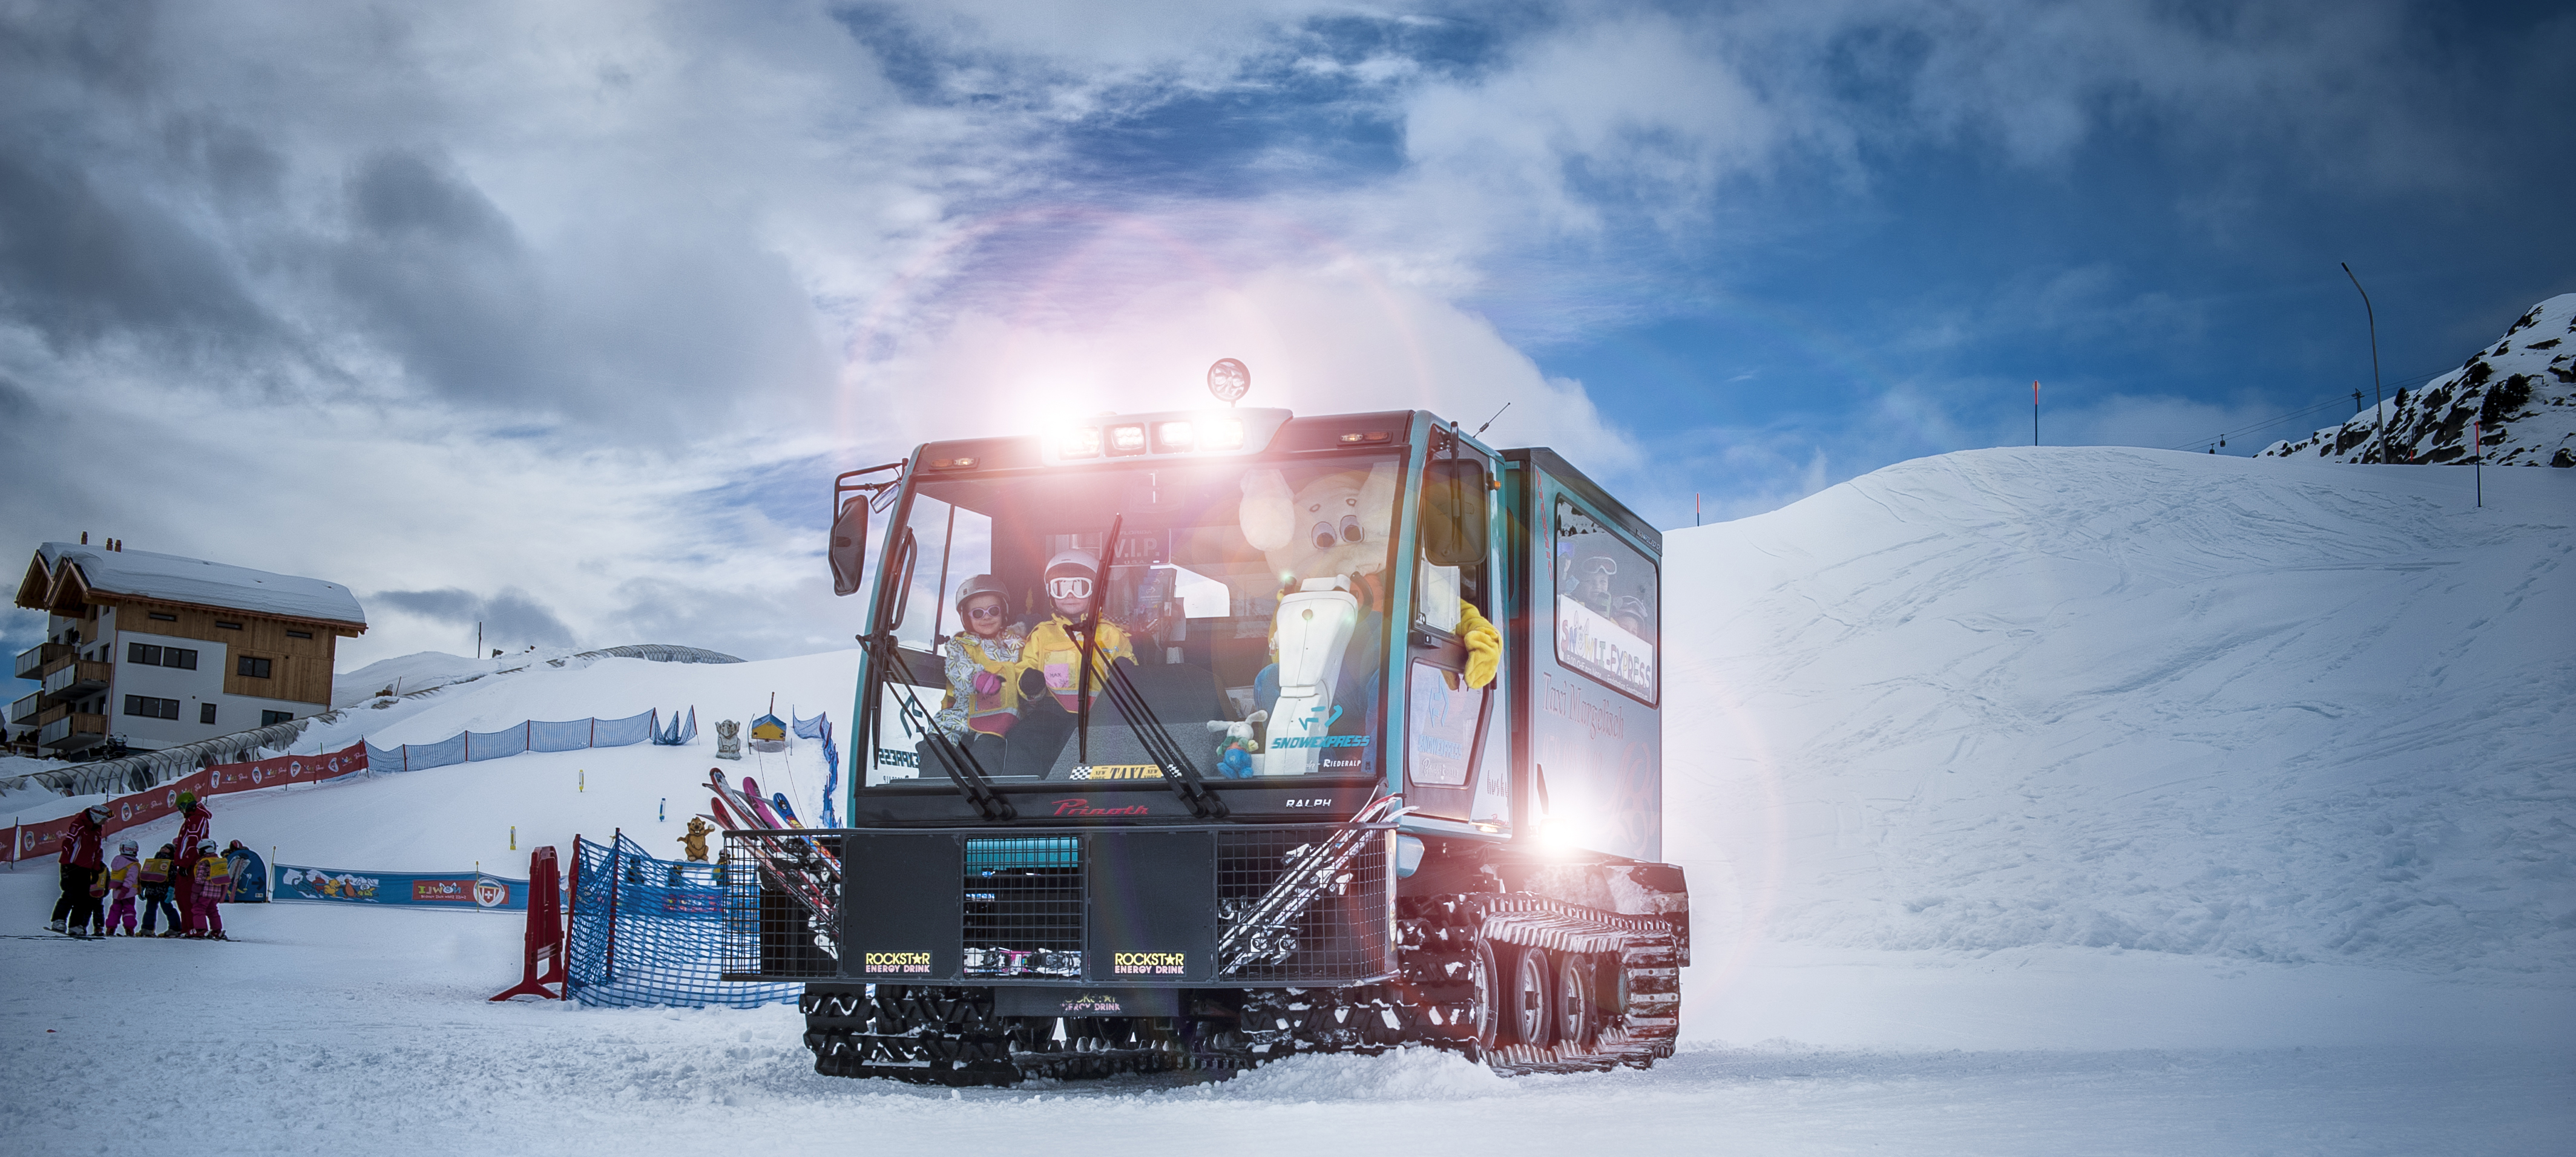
<point>1240,746</point>
<point>695,841</point>
<point>728,739</point>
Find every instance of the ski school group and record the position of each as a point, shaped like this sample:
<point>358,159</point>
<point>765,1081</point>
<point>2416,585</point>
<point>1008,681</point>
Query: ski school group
<point>100,894</point>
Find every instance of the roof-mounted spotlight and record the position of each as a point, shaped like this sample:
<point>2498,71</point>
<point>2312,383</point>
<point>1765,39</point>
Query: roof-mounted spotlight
<point>1229,380</point>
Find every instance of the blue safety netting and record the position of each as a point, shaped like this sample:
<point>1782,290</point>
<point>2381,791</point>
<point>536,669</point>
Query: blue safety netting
<point>415,756</point>
<point>482,745</point>
<point>820,727</point>
<point>533,735</point>
<point>678,734</point>
<point>621,732</point>
<point>652,932</point>
<point>569,735</point>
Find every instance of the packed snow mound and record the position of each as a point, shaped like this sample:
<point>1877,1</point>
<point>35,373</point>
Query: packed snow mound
<point>2133,699</point>
<point>430,670</point>
<point>2519,393</point>
<point>1412,1074</point>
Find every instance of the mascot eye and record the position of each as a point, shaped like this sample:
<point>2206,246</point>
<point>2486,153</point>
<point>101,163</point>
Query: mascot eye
<point>1323,535</point>
<point>1351,531</point>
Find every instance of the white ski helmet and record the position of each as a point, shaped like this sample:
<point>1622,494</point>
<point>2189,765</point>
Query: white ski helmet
<point>1072,574</point>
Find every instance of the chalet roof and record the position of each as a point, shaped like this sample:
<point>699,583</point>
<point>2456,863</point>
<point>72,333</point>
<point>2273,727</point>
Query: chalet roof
<point>143,574</point>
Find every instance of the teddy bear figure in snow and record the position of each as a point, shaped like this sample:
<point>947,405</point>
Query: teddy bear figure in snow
<point>728,739</point>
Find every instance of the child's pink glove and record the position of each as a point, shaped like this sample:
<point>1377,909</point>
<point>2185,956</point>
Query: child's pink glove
<point>987,683</point>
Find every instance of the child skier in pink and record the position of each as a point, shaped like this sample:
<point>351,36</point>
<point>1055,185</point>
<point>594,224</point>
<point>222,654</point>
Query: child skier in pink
<point>124,878</point>
<point>214,878</point>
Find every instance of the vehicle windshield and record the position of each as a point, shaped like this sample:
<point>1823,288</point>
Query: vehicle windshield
<point>1245,600</point>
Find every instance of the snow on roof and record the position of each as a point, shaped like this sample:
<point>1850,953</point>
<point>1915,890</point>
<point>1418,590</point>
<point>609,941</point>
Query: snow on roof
<point>149,575</point>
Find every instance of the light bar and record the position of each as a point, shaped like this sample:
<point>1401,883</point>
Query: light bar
<point>1235,431</point>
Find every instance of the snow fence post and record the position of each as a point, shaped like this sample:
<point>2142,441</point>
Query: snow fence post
<point>616,845</point>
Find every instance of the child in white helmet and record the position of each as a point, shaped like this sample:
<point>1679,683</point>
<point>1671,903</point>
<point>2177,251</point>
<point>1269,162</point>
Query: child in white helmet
<point>124,879</point>
<point>1074,589</point>
<point>213,879</point>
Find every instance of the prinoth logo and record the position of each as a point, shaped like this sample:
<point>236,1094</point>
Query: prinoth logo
<point>1149,963</point>
<point>897,962</point>
<point>1085,809</point>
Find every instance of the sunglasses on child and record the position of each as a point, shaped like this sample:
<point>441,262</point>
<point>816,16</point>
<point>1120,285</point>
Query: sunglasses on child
<point>985,611</point>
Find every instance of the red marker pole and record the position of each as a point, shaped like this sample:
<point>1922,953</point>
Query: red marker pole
<point>2478,461</point>
<point>2034,413</point>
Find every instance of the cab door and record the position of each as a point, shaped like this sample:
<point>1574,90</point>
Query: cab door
<point>1456,743</point>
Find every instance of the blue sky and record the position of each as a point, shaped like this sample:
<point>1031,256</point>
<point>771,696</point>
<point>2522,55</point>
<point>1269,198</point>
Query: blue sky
<point>561,316</point>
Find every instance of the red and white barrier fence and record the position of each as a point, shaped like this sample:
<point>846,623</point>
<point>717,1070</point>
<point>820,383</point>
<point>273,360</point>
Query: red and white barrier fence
<point>44,838</point>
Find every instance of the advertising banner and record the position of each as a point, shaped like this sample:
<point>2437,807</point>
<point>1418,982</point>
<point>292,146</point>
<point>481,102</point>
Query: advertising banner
<point>43,838</point>
<point>285,769</point>
<point>399,889</point>
<point>143,807</point>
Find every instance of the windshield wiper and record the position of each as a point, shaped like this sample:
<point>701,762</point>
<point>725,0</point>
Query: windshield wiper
<point>1159,744</point>
<point>951,756</point>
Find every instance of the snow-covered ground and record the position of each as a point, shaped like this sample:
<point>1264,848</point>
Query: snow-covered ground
<point>2034,801</point>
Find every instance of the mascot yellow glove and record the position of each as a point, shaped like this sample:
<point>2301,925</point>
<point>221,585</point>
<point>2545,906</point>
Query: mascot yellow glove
<point>1484,645</point>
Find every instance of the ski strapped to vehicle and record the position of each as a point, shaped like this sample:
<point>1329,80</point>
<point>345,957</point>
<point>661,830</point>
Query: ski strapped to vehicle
<point>1260,932</point>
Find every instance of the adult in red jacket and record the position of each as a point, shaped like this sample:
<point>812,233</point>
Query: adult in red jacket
<point>81,864</point>
<point>196,826</point>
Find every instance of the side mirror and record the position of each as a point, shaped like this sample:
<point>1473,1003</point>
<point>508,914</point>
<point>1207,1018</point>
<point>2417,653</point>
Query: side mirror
<point>849,549</point>
<point>1453,512</point>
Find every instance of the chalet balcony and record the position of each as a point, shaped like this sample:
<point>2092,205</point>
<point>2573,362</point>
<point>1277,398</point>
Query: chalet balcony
<point>73,678</point>
<point>73,731</point>
<point>25,710</point>
<point>33,661</point>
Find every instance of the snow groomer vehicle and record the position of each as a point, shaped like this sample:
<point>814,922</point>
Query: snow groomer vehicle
<point>1203,738</point>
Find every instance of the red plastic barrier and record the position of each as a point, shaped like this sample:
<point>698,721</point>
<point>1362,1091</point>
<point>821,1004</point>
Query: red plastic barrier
<point>143,807</point>
<point>545,939</point>
<point>43,838</point>
<point>259,773</point>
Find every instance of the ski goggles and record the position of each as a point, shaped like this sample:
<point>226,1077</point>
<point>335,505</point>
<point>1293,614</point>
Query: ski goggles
<point>1073,586</point>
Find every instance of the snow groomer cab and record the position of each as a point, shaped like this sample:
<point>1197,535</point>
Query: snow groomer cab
<point>1191,740</point>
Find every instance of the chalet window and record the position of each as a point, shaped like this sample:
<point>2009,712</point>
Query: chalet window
<point>148,655</point>
<point>158,617</point>
<point>151,708</point>
<point>299,634</point>
<point>206,713</point>
<point>228,626</point>
<point>273,718</point>
<point>251,667</point>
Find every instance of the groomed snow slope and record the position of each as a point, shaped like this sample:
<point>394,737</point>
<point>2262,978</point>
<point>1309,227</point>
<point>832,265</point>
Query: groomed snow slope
<point>2135,700</point>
